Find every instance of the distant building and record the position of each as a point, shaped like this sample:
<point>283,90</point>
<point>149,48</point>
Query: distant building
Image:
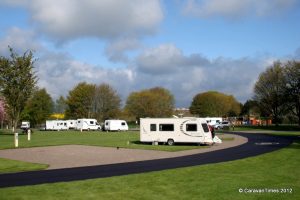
<point>182,112</point>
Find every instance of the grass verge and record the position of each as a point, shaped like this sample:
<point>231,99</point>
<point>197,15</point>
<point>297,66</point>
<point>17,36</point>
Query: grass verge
<point>9,166</point>
<point>283,128</point>
<point>273,130</point>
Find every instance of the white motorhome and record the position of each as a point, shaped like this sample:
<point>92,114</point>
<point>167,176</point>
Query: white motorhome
<point>175,130</point>
<point>56,125</point>
<point>115,125</point>
<point>87,124</point>
<point>213,120</point>
<point>71,123</point>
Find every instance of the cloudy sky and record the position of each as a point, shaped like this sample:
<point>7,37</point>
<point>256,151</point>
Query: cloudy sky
<point>186,46</point>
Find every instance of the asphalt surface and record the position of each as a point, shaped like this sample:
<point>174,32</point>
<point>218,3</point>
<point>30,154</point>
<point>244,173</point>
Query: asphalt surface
<point>257,144</point>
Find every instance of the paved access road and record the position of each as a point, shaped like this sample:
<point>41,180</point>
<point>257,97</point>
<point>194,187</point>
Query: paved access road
<point>257,144</point>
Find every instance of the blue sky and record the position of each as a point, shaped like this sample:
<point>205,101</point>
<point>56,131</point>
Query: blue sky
<point>187,46</point>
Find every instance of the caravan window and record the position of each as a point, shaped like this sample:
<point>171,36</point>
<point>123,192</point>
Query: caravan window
<point>166,127</point>
<point>123,124</point>
<point>152,127</point>
<point>205,127</point>
<point>191,127</point>
<point>91,122</point>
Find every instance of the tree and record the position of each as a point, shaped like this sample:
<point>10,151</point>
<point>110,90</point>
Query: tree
<point>214,104</point>
<point>106,102</point>
<point>154,102</point>
<point>250,108</point>
<point>269,91</point>
<point>39,107</point>
<point>79,101</point>
<point>60,105</point>
<point>2,112</point>
<point>17,81</point>
<point>292,87</point>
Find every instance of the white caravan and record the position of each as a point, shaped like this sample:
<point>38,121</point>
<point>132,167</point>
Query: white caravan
<point>175,130</point>
<point>25,125</point>
<point>56,125</point>
<point>213,120</point>
<point>87,124</point>
<point>115,125</point>
<point>71,124</point>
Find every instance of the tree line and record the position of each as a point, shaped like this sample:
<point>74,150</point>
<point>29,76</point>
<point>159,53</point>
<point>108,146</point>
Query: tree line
<point>276,95</point>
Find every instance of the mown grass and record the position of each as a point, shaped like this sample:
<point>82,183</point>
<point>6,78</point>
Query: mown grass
<point>284,128</point>
<point>97,138</point>
<point>276,170</point>
<point>273,130</point>
<point>9,166</point>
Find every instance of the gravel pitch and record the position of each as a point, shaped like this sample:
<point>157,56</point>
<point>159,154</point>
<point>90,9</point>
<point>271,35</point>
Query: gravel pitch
<point>69,156</point>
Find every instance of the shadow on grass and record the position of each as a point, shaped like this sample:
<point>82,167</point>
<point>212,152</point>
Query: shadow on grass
<point>12,134</point>
<point>165,144</point>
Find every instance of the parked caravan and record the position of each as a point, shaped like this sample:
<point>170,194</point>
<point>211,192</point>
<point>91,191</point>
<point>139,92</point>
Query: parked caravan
<point>71,124</point>
<point>56,125</point>
<point>25,125</point>
<point>213,120</point>
<point>87,124</point>
<point>115,125</point>
<point>175,130</point>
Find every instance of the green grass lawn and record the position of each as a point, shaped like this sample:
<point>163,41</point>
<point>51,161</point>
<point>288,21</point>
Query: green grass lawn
<point>280,130</point>
<point>276,170</point>
<point>94,138</point>
<point>289,128</point>
<point>9,166</point>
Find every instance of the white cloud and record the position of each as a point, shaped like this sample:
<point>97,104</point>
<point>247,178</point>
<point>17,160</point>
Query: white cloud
<point>59,73</point>
<point>116,49</point>
<point>14,2</point>
<point>65,20</point>
<point>20,40</point>
<point>119,23</point>
<point>236,8</point>
<point>166,58</point>
<point>186,76</point>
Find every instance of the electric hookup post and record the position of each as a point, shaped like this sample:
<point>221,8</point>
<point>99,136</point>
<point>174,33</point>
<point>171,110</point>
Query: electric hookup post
<point>16,140</point>
<point>28,134</point>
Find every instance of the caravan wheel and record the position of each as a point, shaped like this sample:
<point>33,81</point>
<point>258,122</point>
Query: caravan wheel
<point>170,142</point>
